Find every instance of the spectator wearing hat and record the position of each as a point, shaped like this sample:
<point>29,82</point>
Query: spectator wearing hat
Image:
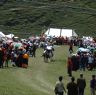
<point>81,83</point>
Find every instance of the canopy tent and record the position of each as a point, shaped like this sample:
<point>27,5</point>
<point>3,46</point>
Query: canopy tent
<point>2,34</point>
<point>10,36</point>
<point>54,32</point>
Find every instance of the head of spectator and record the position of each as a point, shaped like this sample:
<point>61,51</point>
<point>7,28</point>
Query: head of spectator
<point>81,75</point>
<point>72,79</point>
<point>60,78</point>
<point>93,76</point>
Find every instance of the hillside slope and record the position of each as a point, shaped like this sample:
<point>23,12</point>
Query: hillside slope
<point>32,16</point>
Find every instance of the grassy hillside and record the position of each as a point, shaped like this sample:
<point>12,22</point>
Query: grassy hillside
<point>32,16</point>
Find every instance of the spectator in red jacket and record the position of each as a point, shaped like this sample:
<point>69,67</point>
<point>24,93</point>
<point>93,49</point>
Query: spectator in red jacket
<point>69,66</point>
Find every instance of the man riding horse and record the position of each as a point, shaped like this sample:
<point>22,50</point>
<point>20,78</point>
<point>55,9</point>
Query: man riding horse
<point>48,53</point>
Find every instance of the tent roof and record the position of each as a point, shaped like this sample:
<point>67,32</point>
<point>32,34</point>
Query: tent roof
<point>2,34</point>
<point>10,35</point>
<point>53,32</point>
<point>60,32</point>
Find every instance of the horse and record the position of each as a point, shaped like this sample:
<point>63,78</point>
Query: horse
<point>48,55</point>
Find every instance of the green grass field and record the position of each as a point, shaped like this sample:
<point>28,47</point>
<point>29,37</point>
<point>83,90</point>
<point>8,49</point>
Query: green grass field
<point>39,78</point>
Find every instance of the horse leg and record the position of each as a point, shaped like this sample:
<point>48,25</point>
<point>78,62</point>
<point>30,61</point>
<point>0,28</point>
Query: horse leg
<point>45,59</point>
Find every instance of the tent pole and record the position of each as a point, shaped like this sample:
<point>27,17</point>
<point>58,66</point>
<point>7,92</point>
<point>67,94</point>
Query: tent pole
<point>48,31</point>
<point>72,32</point>
<point>60,32</point>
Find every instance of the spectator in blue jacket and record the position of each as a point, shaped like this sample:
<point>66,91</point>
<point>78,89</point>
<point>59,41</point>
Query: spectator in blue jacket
<point>93,85</point>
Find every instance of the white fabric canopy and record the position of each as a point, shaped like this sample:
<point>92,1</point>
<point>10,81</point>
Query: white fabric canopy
<point>10,35</point>
<point>66,32</point>
<point>54,32</point>
<point>2,34</point>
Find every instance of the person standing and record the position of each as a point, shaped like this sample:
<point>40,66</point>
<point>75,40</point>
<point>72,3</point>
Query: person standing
<point>25,60</point>
<point>59,87</point>
<point>34,49</point>
<point>93,85</point>
<point>8,57</point>
<point>72,87</point>
<point>81,83</point>
<point>82,62</point>
<point>90,62</point>
<point>1,58</point>
<point>69,66</point>
<point>71,47</point>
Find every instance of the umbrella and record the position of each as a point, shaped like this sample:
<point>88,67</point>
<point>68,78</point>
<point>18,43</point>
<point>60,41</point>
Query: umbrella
<point>18,45</point>
<point>83,50</point>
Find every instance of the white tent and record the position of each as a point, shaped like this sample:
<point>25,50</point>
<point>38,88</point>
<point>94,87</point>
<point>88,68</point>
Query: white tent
<point>60,32</point>
<point>10,36</point>
<point>2,34</point>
